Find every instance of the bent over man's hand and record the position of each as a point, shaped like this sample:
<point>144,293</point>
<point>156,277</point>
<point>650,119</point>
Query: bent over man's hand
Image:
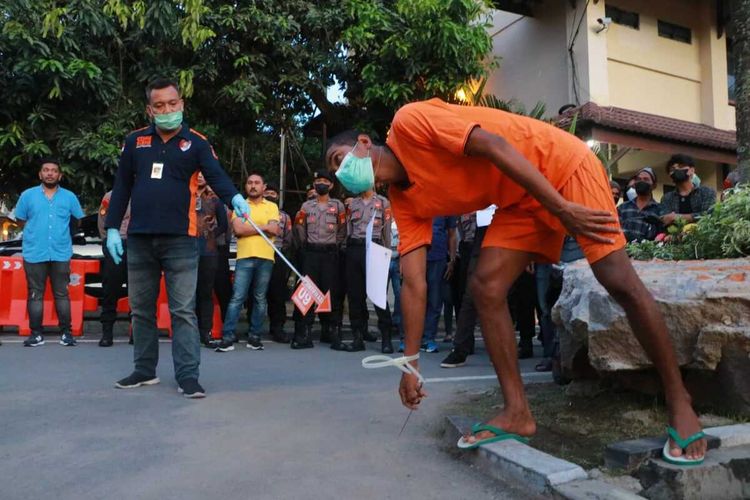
<point>584,221</point>
<point>411,391</point>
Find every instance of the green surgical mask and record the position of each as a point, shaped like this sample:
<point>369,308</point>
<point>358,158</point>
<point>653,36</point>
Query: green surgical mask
<point>356,174</point>
<point>168,121</point>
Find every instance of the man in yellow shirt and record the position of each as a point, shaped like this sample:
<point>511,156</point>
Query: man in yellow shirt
<point>254,265</point>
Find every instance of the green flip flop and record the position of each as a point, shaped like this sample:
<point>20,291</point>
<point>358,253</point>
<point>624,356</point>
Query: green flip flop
<point>499,435</point>
<point>683,444</point>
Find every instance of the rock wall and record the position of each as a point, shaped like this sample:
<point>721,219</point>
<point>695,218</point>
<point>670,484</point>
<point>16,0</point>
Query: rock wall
<point>706,305</point>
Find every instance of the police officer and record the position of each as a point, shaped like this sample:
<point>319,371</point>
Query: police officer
<point>319,230</point>
<point>358,215</point>
<point>278,293</point>
<point>113,275</point>
<point>467,230</point>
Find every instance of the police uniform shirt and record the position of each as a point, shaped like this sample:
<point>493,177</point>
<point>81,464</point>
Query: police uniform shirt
<point>283,240</point>
<point>161,181</point>
<point>467,227</point>
<point>320,224</point>
<point>100,219</point>
<point>361,211</point>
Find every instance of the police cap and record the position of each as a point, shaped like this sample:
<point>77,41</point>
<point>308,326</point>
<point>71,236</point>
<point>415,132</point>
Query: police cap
<point>323,174</point>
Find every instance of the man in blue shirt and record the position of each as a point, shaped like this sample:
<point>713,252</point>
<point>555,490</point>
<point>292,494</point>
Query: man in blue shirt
<point>45,212</point>
<point>158,173</point>
<point>440,261</point>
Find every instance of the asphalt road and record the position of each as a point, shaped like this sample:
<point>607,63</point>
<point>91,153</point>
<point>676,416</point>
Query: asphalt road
<point>277,424</point>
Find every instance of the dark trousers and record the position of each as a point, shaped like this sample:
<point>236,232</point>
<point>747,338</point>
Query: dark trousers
<point>356,292</point>
<point>113,277</point>
<point>177,257</point>
<point>522,298</point>
<point>204,295</point>
<point>435,272</point>
<point>277,295</point>
<point>338,293</point>
<point>223,281</point>
<point>323,268</point>
<point>58,273</point>
<point>465,250</point>
<point>463,342</point>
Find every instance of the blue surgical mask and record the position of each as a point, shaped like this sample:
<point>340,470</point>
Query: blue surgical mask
<point>696,180</point>
<point>356,174</point>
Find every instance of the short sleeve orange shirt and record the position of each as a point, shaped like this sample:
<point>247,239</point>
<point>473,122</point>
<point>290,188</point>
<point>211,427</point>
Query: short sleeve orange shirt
<point>429,138</point>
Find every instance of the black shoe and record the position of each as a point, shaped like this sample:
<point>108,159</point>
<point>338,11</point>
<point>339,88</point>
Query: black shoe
<point>279,337</point>
<point>224,346</point>
<point>130,340</point>
<point>525,352</point>
<point>302,337</point>
<point>454,360</point>
<point>190,388</point>
<point>386,346</point>
<point>254,343</point>
<point>368,336</point>
<point>336,343</point>
<point>34,341</point>
<point>68,340</point>
<point>136,380</point>
<point>105,341</point>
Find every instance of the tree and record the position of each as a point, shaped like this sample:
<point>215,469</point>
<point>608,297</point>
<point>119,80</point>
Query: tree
<point>73,73</point>
<point>740,28</point>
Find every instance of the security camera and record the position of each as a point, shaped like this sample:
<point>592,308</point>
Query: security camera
<point>604,23</point>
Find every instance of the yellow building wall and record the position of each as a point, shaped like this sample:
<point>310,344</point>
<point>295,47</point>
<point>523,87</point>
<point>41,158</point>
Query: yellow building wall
<point>657,75</point>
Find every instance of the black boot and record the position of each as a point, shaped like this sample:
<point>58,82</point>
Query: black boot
<point>278,335</point>
<point>336,343</point>
<point>386,347</point>
<point>302,337</point>
<point>325,333</point>
<point>106,340</point>
<point>357,344</point>
<point>369,336</point>
<point>207,341</point>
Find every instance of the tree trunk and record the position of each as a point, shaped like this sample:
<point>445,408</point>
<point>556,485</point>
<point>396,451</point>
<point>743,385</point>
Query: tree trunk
<point>740,29</point>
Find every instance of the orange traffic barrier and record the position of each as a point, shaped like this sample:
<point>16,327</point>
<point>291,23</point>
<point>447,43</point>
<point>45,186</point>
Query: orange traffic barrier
<point>164,320</point>
<point>14,292</point>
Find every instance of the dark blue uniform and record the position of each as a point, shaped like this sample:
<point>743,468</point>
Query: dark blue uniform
<point>160,180</point>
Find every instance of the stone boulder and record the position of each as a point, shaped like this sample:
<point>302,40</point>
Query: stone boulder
<point>706,305</point>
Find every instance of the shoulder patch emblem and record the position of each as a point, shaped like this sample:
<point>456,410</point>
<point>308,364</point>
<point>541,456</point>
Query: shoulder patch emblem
<point>143,141</point>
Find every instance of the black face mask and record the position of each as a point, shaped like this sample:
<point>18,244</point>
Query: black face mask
<point>679,175</point>
<point>642,188</point>
<point>322,189</point>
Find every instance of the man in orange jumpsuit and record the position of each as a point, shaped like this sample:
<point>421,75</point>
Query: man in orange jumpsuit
<point>442,159</point>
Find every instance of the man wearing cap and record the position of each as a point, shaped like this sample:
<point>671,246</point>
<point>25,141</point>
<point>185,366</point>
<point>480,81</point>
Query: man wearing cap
<point>686,201</point>
<point>640,218</point>
<point>278,293</point>
<point>318,232</point>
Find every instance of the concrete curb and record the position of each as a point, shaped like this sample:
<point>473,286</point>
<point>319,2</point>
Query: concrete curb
<point>629,455</point>
<point>534,470</point>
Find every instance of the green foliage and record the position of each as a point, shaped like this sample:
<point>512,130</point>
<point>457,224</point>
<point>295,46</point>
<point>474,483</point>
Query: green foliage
<point>721,234</point>
<point>405,50</point>
<point>72,73</point>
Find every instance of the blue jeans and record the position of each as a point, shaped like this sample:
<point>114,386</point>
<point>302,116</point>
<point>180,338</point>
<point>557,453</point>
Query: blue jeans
<point>177,257</point>
<point>435,272</point>
<point>394,275</point>
<point>248,272</point>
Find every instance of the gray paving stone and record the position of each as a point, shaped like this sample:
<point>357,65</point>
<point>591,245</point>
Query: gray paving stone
<point>629,455</point>
<point>725,475</point>
<point>511,461</point>
<point>592,489</point>
<point>731,435</point>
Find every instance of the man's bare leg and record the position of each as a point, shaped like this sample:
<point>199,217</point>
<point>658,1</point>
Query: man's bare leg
<point>495,273</point>
<point>616,274</point>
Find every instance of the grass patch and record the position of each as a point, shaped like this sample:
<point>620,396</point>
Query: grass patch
<point>577,428</point>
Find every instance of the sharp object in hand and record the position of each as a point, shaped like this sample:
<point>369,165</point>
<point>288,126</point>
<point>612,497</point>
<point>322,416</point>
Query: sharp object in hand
<point>407,418</point>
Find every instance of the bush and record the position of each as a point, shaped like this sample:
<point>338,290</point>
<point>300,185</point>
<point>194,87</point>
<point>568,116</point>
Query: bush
<point>723,233</point>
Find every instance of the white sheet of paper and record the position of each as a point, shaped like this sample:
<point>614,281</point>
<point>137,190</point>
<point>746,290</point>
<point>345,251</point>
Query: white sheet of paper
<point>484,217</point>
<point>377,263</point>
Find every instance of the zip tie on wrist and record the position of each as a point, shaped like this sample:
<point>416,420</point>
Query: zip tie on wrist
<point>402,363</point>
